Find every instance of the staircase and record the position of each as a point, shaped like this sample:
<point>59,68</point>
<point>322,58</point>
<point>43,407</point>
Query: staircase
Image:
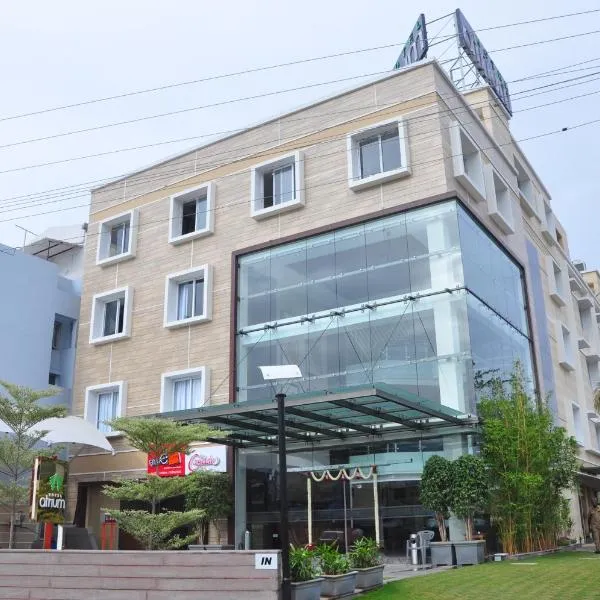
<point>25,534</point>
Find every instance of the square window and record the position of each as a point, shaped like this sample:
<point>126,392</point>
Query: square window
<point>527,193</point>
<point>184,390</point>
<point>566,352</point>
<point>192,214</point>
<point>467,162</point>
<point>499,201</point>
<point>111,316</point>
<point>188,297</point>
<point>277,186</point>
<point>117,238</point>
<point>53,379</point>
<point>377,154</point>
<point>548,223</point>
<point>104,403</point>
<point>558,282</point>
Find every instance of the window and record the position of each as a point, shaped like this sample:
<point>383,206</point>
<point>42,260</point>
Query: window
<point>188,297</point>
<point>548,223</point>
<point>558,282</point>
<point>56,334</point>
<point>587,319</point>
<point>377,154</point>
<point>192,214</point>
<point>53,379</point>
<point>499,201</point>
<point>104,403</point>
<point>577,424</point>
<point>527,192</point>
<point>566,354</point>
<point>184,390</point>
<point>111,315</point>
<point>467,162</point>
<point>117,237</point>
<point>277,186</point>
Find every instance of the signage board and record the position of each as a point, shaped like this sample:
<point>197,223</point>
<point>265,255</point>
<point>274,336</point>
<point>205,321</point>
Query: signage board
<point>470,43</point>
<point>178,464</point>
<point>416,46</point>
<point>265,561</point>
<point>48,496</point>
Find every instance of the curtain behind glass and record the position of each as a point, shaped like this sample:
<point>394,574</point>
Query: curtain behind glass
<point>187,393</point>
<point>107,410</point>
<point>201,207</point>
<point>283,184</point>
<point>184,300</point>
<point>111,311</point>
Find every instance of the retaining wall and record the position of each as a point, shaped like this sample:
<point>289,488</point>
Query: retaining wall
<point>135,575</point>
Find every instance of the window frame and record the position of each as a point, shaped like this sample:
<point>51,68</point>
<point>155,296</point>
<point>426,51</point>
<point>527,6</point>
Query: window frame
<point>559,297</point>
<point>459,138</point>
<point>172,282</point>
<point>527,190</point>
<point>257,185</point>
<point>167,387</point>
<point>353,141</point>
<point>105,227</point>
<point>578,427</point>
<point>566,348</point>
<point>499,209</point>
<point>176,213</point>
<point>99,302</point>
<point>90,409</point>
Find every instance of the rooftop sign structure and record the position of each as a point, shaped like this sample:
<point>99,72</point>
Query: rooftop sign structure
<point>416,46</point>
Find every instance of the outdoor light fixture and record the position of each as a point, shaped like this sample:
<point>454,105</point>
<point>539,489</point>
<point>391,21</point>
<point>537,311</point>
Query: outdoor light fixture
<point>278,373</point>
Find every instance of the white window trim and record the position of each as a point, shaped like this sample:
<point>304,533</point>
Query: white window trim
<point>166,386</point>
<point>175,213</point>
<point>104,230</point>
<point>172,282</point>
<point>355,182</point>
<point>504,221</point>
<point>528,195</point>
<point>558,298</point>
<point>90,409</point>
<point>580,439</point>
<point>257,171</point>
<point>98,302</point>
<point>564,360</point>
<point>475,188</point>
<point>548,222</point>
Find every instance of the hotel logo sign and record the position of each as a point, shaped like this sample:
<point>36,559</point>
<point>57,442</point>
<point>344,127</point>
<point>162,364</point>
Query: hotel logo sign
<point>48,498</point>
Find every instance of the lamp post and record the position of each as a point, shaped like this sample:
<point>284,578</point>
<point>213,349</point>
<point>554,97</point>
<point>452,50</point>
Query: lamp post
<point>277,373</point>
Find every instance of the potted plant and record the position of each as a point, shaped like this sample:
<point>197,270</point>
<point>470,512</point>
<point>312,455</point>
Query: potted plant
<point>338,579</point>
<point>436,486</point>
<point>468,496</point>
<point>366,559</point>
<point>306,583</point>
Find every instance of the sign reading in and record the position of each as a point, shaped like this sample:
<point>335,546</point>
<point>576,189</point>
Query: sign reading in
<point>470,43</point>
<point>265,561</point>
<point>178,464</point>
<point>48,498</point>
<point>416,46</point>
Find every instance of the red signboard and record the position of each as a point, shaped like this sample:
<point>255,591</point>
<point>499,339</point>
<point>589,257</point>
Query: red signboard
<point>167,465</point>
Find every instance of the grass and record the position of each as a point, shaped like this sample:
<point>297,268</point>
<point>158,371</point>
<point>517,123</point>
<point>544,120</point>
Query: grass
<point>566,575</point>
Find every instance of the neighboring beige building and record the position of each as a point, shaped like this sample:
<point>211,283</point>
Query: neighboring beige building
<point>320,234</point>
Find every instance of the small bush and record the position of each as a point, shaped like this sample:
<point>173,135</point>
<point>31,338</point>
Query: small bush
<point>332,561</point>
<point>303,565</point>
<point>365,554</point>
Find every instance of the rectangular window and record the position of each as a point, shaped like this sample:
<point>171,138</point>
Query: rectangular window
<point>379,153</point>
<point>187,297</point>
<point>111,315</point>
<point>119,239</point>
<point>56,334</point>
<point>577,424</point>
<point>114,316</point>
<point>467,162</point>
<point>103,403</point>
<point>184,390</point>
<point>187,393</point>
<point>190,300</point>
<point>194,215</point>
<point>278,186</point>
<point>53,379</point>
<point>107,410</point>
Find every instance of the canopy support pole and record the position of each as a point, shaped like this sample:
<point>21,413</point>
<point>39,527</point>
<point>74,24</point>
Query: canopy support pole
<point>376,508</point>
<point>309,495</point>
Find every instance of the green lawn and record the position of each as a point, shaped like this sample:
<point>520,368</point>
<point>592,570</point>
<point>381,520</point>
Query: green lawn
<point>565,576</point>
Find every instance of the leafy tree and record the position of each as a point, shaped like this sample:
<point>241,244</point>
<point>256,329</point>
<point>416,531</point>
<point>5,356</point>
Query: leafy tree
<point>531,464</point>
<point>155,529</point>
<point>469,490</point>
<point>212,493</point>
<point>436,487</point>
<point>21,410</point>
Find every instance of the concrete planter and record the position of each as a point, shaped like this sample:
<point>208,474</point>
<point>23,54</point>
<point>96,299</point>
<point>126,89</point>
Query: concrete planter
<point>469,553</point>
<point>338,586</point>
<point>307,590</point>
<point>367,579</point>
<point>442,553</point>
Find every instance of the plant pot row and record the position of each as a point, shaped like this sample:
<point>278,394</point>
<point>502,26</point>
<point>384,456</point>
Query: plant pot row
<point>457,553</point>
<point>338,586</point>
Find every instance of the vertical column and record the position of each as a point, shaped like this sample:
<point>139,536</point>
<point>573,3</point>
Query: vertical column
<point>455,446</point>
<point>240,524</point>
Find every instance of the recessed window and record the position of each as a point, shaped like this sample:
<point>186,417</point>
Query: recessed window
<point>117,238</point>
<point>184,390</point>
<point>548,223</point>
<point>111,316</point>
<point>53,379</point>
<point>558,282</point>
<point>56,335</point>
<point>527,193</point>
<point>192,214</point>
<point>566,352</point>
<point>277,186</point>
<point>577,424</point>
<point>103,403</point>
<point>188,297</point>
<point>467,162</point>
<point>499,201</point>
<point>377,154</point>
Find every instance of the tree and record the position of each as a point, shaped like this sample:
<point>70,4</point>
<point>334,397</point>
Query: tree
<point>21,410</point>
<point>212,493</point>
<point>436,485</point>
<point>156,529</point>
<point>531,464</point>
<point>469,490</point>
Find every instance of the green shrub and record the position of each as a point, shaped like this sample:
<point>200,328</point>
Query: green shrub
<point>332,561</point>
<point>365,554</point>
<point>303,564</point>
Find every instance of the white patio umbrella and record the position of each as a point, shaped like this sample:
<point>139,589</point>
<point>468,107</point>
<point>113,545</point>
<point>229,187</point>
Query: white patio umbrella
<point>73,430</point>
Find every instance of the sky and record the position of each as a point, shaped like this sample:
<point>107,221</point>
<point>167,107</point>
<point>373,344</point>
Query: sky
<point>69,52</point>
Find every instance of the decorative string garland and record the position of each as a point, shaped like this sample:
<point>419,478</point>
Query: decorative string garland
<point>349,474</point>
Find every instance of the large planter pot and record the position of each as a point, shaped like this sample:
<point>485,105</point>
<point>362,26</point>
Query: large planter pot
<point>470,553</point>
<point>367,579</point>
<point>442,553</point>
<point>307,590</point>
<point>338,586</point>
